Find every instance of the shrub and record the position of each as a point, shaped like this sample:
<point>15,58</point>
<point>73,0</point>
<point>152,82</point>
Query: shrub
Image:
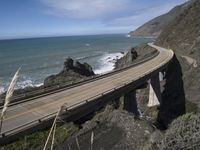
<point>184,133</point>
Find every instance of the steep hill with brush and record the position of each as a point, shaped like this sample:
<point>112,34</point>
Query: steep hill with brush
<point>155,26</point>
<point>183,36</point>
<point>183,33</point>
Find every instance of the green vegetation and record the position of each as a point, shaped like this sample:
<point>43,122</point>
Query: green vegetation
<point>183,133</point>
<point>191,107</point>
<point>37,140</point>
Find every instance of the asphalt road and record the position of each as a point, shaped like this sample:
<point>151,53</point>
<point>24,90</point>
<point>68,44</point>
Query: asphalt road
<point>24,113</point>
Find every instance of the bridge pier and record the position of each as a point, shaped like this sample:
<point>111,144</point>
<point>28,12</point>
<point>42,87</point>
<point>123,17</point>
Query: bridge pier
<point>130,103</point>
<point>155,92</point>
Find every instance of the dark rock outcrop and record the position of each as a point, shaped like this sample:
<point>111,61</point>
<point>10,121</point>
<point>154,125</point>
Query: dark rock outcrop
<point>127,59</point>
<point>72,72</point>
<point>83,69</point>
<point>68,64</point>
<point>134,55</point>
<point>173,96</point>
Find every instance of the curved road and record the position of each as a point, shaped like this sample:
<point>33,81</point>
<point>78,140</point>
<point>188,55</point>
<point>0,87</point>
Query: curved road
<point>24,113</point>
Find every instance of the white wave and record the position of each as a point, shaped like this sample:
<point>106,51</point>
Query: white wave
<point>107,62</point>
<point>87,44</point>
<point>39,84</point>
<point>89,56</point>
<point>25,83</point>
<point>22,85</point>
<point>2,90</point>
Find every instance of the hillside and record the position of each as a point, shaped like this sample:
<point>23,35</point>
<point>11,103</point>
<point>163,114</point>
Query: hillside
<point>155,26</point>
<point>183,36</point>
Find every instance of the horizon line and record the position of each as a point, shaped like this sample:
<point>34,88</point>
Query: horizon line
<point>53,36</point>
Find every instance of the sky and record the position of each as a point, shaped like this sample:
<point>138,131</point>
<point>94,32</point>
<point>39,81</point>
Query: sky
<point>38,18</point>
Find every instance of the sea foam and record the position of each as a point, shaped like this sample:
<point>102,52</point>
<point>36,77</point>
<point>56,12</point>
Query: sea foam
<point>107,62</point>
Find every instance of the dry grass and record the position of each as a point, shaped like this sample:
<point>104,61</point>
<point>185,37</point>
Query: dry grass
<point>9,94</point>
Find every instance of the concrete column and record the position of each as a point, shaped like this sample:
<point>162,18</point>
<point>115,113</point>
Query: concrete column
<point>155,92</point>
<point>130,103</point>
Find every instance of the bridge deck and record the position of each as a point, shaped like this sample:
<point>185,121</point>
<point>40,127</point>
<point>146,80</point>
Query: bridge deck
<point>24,113</point>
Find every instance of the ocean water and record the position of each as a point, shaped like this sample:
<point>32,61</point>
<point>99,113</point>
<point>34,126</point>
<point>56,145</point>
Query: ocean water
<point>41,57</point>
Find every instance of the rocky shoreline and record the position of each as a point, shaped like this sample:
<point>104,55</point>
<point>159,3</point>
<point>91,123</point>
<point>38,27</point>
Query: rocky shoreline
<point>75,71</point>
<point>115,129</point>
<point>112,124</point>
<point>72,72</point>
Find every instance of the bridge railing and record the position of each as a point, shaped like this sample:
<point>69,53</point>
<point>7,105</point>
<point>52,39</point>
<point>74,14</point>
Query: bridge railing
<point>73,106</point>
<point>52,115</point>
<point>27,96</point>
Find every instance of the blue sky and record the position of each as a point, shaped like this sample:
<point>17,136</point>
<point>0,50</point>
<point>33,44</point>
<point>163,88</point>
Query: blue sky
<point>34,18</point>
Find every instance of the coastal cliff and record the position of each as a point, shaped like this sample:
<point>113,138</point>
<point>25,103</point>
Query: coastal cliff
<point>154,27</point>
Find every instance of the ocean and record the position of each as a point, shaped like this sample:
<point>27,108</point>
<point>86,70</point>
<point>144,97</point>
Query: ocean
<point>41,57</point>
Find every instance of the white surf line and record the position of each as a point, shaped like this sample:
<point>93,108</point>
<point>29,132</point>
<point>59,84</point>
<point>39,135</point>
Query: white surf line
<point>191,61</point>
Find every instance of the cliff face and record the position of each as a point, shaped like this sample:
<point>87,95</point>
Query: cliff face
<point>155,26</point>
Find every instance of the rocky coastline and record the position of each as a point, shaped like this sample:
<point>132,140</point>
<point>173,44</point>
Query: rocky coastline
<point>111,119</point>
<point>76,72</point>
<point>115,129</point>
<point>72,72</point>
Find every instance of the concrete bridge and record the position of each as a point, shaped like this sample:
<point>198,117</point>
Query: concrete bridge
<point>86,97</point>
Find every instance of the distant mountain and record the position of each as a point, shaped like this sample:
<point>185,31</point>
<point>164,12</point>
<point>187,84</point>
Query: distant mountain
<point>155,26</point>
